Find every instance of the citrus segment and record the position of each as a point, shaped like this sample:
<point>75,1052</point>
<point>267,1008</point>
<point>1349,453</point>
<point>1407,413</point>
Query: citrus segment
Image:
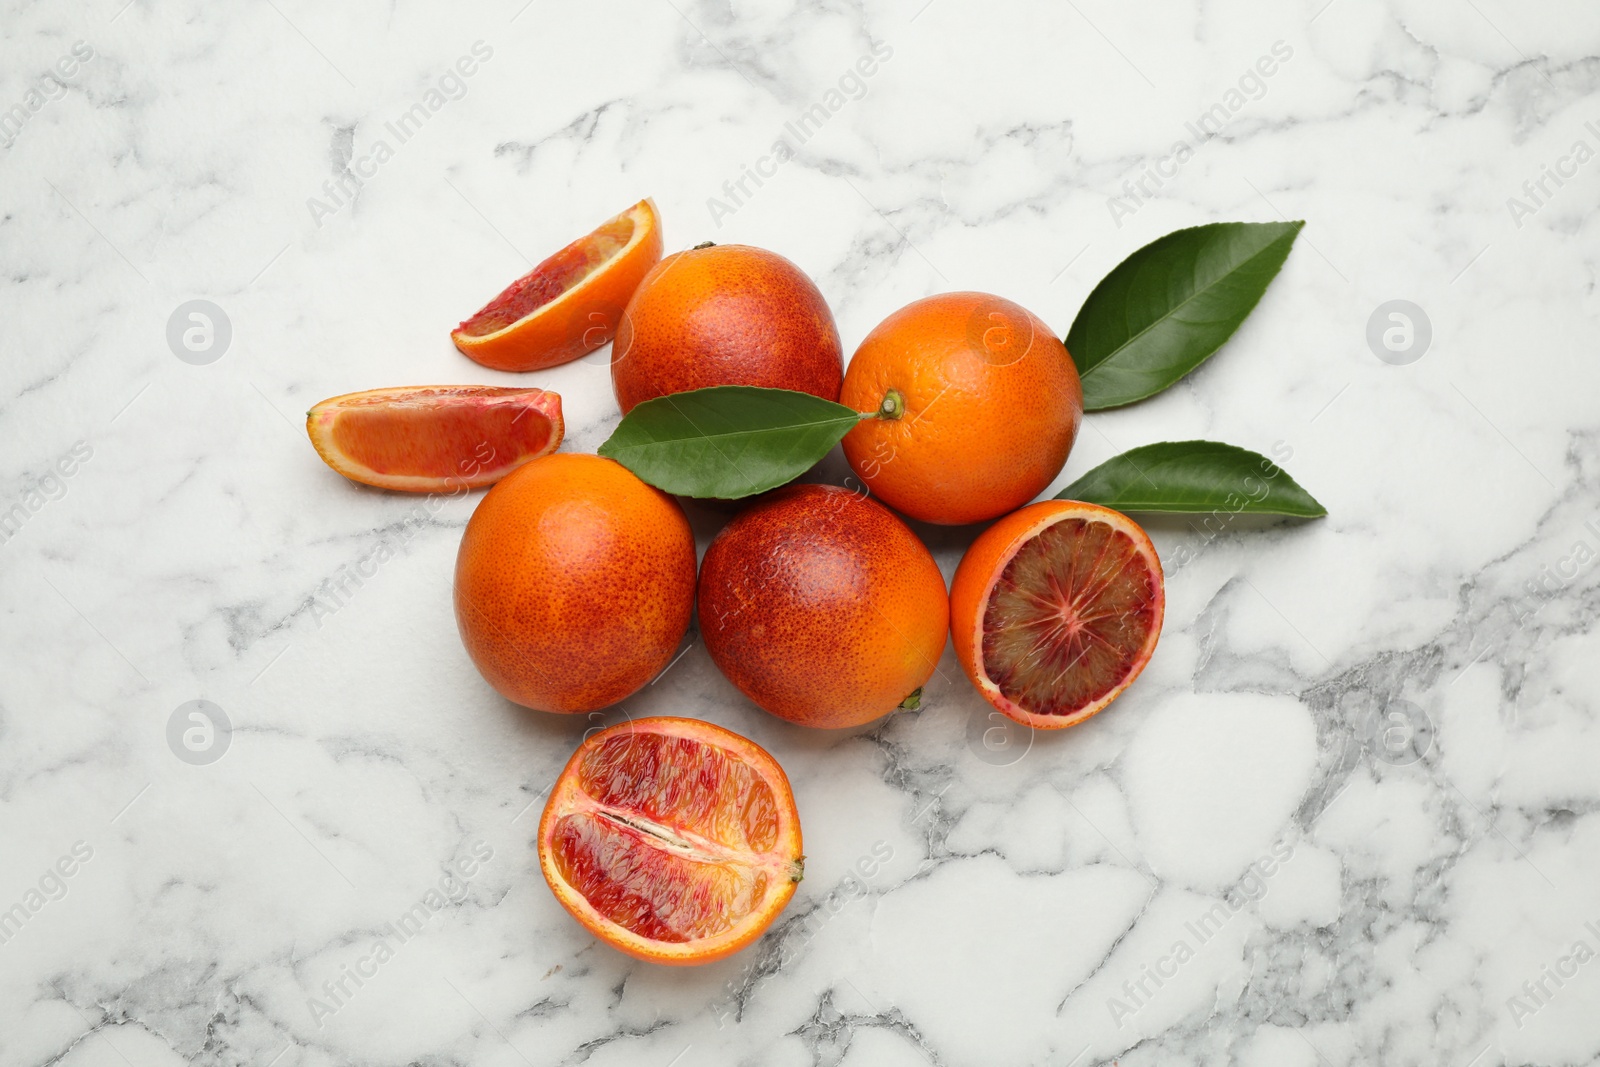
<point>671,839</point>
<point>571,303</point>
<point>1056,609</point>
<point>642,772</point>
<point>434,438</point>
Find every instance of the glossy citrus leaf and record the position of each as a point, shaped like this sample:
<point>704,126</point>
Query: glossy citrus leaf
<point>727,441</point>
<point>1170,305</point>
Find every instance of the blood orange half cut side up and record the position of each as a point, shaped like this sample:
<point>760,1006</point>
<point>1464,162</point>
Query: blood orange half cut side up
<point>570,304</point>
<point>1055,610</point>
<point>673,840</point>
<point>434,438</point>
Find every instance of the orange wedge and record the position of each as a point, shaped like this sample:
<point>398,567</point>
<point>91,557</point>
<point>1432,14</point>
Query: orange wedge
<point>434,438</point>
<point>570,304</point>
<point>672,840</point>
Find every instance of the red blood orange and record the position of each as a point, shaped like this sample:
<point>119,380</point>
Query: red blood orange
<point>574,583</point>
<point>725,315</point>
<point>571,303</point>
<point>822,606</point>
<point>434,438</point>
<point>673,840</point>
<point>1055,610</point>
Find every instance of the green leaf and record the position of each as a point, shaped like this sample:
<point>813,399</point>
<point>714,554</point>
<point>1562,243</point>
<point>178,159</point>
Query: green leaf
<point>728,441</point>
<point>1165,308</point>
<point>1194,476</point>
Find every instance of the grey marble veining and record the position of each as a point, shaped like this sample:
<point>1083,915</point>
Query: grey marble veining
<point>1229,866</point>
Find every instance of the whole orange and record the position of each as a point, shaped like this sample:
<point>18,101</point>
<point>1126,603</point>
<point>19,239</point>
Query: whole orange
<point>574,583</point>
<point>725,315</point>
<point>822,607</point>
<point>978,404</point>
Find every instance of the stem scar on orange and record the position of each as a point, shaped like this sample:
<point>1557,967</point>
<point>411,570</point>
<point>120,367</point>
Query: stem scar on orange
<point>1055,610</point>
<point>673,840</point>
<point>570,304</point>
<point>977,406</point>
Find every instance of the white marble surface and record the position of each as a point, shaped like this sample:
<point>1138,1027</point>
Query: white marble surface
<point>961,906</point>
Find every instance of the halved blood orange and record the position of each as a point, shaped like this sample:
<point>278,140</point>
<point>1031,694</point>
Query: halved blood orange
<point>570,304</point>
<point>434,438</point>
<point>1055,610</point>
<point>673,840</point>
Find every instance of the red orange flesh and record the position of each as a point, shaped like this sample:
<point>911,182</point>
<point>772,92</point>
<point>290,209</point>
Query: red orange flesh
<point>570,304</point>
<point>673,840</point>
<point>434,438</point>
<point>1055,610</point>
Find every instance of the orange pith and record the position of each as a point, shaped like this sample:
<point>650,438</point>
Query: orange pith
<point>571,303</point>
<point>434,438</point>
<point>1055,610</point>
<point>671,839</point>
